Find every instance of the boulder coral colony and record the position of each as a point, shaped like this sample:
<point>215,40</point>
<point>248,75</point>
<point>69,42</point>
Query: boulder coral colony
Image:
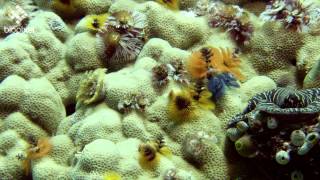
<point>173,90</point>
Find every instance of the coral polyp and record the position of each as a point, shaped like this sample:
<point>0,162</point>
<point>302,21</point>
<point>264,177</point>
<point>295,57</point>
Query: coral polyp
<point>160,76</point>
<point>37,149</point>
<point>151,152</point>
<point>91,87</point>
<point>209,61</point>
<point>123,37</point>
<point>233,19</point>
<point>181,106</point>
<point>198,63</point>
<point>294,14</point>
<point>96,22</point>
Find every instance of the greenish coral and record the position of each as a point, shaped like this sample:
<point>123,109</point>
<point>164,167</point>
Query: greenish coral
<point>17,94</point>
<point>179,30</point>
<point>91,88</point>
<point>312,79</point>
<point>83,58</point>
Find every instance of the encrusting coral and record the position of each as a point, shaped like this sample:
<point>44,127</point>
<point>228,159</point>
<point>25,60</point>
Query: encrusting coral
<point>161,109</point>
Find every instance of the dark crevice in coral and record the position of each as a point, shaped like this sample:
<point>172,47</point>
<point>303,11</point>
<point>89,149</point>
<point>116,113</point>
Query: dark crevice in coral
<point>70,109</point>
<point>293,62</point>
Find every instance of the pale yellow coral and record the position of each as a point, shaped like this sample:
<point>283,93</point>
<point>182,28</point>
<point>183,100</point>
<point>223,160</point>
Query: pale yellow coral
<point>91,87</point>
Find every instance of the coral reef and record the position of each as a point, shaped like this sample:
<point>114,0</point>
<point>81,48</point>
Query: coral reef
<point>234,20</point>
<point>182,32</point>
<point>294,14</point>
<point>139,89</point>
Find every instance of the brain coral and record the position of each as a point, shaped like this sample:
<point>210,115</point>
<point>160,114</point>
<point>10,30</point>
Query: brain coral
<point>36,99</point>
<point>309,53</point>
<point>10,145</point>
<point>101,122</point>
<point>82,58</point>
<point>17,56</point>
<point>180,31</point>
<point>273,47</point>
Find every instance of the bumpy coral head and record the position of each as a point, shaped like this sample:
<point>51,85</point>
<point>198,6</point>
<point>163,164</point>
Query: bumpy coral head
<point>91,87</point>
<point>195,145</point>
<point>181,106</point>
